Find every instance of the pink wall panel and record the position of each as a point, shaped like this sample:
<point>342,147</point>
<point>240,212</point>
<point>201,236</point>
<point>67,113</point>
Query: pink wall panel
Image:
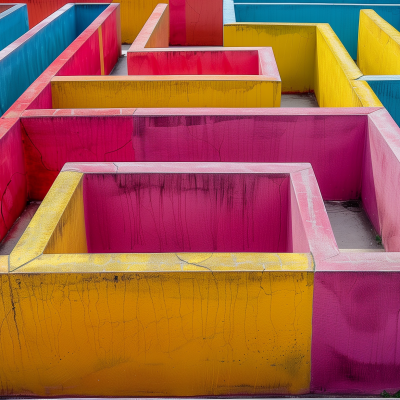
<point>194,62</point>
<point>186,212</point>
<point>111,32</point>
<point>332,144</point>
<point>13,195</point>
<point>356,341</point>
<point>51,142</point>
<point>297,238</point>
<point>381,189</point>
<point>196,22</point>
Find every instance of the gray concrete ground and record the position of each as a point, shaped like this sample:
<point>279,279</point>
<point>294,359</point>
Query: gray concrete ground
<point>121,67</point>
<point>351,226</point>
<point>299,100</point>
<point>16,231</point>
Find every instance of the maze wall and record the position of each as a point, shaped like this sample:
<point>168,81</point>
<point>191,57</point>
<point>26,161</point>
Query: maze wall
<point>165,218</point>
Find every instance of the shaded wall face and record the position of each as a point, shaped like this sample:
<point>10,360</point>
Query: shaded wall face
<point>186,213</point>
<point>355,333</point>
<point>85,14</point>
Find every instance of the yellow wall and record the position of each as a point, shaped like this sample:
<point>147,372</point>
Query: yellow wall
<point>134,14</point>
<point>58,226</point>
<point>378,45</point>
<point>335,73</point>
<point>293,46</point>
<point>169,334</point>
<point>146,91</point>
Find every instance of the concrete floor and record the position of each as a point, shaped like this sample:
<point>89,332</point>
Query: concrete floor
<point>16,231</point>
<point>351,226</point>
<point>299,100</point>
<point>121,67</point>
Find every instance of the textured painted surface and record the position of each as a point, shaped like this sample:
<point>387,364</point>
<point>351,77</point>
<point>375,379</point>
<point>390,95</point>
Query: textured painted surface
<point>134,332</point>
<point>149,213</point>
<point>387,89</point>
<point>26,58</point>
<point>355,333</point>
<point>81,57</point>
<point>293,46</point>
<point>343,18</point>
<point>378,45</point>
<point>330,139</point>
<point>13,23</point>
<point>164,91</point>
<point>12,174</point>
<point>155,32</point>
<point>381,178</point>
<point>335,73</point>
<point>196,22</point>
<point>57,226</point>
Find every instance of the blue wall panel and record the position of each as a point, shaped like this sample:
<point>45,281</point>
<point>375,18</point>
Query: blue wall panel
<point>13,24</point>
<point>343,18</point>
<point>387,88</point>
<point>21,66</point>
<point>85,14</point>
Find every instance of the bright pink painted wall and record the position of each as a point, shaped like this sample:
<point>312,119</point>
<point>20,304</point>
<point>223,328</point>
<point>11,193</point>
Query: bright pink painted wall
<point>186,212</point>
<point>196,22</point>
<point>13,194</point>
<point>51,142</point>
<point>297,238</point>
<point>333,144</point>
<point>356,342</point>
<point>194,62</point>
<point>381,178</point>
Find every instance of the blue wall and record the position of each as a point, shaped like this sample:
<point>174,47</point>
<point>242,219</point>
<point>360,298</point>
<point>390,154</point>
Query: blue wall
<point>13,24</point>
<point>20,68</point>
<point>342,18</point>
<point>85,14</point>
<point>387,88</point>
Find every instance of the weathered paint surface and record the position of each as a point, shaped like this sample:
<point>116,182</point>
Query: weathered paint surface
<point>378,45</point>
<point>332,140</point>
<point>13,23</point>
<point>294,47</point>
<point>13,194</point>
<point>186,213</point>
<point>26,58</point>
<point>335,73</point>
<point>190,91</point>
<point>196,22</point>
<point>343,18</point>
<point>355,333</point>
<point>134,332</point>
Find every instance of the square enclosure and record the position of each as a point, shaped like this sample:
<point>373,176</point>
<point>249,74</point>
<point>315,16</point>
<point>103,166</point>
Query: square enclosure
<point>178,208</point>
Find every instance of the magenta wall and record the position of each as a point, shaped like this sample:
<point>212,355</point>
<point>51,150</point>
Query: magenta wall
<point>12,174</point>
<point>189,62</point>
<point>186,212</point>
<point>356,341</point>
<point>333,144</point>
<point>381,178</point>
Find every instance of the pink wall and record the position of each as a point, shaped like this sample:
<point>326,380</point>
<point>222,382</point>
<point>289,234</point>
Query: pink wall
<point>381,178</point>
<point>184,212</point>
<point>12,174</point>
<point>196,22</point>
<point>194,62</point>
<point>330,139</point>
<point>333,144</point>
<point>53,140</point>
<point>356,342</point>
